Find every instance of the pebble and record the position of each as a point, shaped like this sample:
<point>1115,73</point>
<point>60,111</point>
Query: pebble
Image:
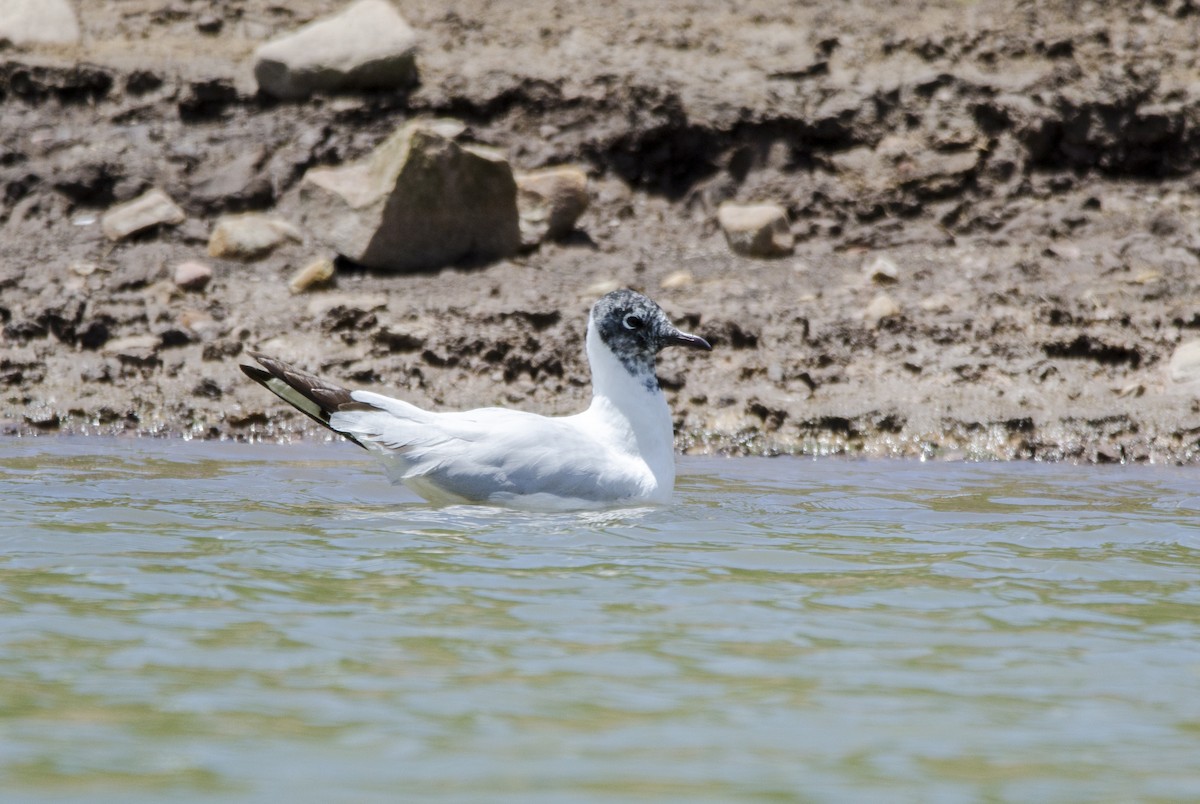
<point>676,280</point>
<point>368,45</point>
<point>316,273</point>
<point>153,208</point>
<point>598,289</point>
<point>550,201</point>
<point>192,275</point>
<point>38,22</point>
<point>84,268</point>
<point>209,24</point>
<point>1184,365</point>
<point>249,236</point>
<point>756,230</point>
<point>137,346</point>
<point>882,271</point>
<point>197,321</point>
<point>938,303</point>
<point>881,307</point>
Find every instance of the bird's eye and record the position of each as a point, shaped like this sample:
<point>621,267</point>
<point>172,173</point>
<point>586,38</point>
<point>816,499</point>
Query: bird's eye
<point>633,322</point>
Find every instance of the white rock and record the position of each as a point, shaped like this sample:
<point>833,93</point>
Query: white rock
<point>1184,365</point>
<point>38,22</point>
<point>84,268</point>
<point>420,201</point>
<point>318,272</point>
<point>154,208</point>
<point>550,201</point>
<point>192,275</point>
<point>675,280</point>
<point>756,230</point>
<point>197,321</point>
<point>368,45</point>
<point>132,345</point>
<point>881,270</point>
<point>881,307</point>
<point>249,236</point>
<point>938,303</point>
<point>600,288</point>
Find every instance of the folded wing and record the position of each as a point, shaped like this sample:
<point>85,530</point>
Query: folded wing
<point>490,454</point>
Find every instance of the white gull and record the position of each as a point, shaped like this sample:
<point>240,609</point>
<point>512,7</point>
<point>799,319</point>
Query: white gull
<point>620,451</point>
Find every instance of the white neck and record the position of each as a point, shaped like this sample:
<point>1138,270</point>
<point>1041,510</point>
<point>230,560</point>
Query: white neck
<point>636,413</point>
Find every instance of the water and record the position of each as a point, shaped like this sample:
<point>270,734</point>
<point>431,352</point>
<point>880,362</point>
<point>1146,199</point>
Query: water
<point>218,622</point>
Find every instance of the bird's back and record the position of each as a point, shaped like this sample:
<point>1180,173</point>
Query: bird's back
<point>497,455</point>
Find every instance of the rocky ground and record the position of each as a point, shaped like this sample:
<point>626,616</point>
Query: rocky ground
<point>994,207</point>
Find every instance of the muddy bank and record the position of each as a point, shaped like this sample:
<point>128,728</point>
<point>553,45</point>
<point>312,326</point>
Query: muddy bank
<point>1028,173</point>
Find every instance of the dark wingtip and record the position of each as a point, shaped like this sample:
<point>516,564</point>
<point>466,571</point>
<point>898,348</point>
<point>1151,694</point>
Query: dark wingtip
<point>255,373</point>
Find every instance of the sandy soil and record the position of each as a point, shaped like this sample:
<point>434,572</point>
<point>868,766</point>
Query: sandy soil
<point>1029,168</point>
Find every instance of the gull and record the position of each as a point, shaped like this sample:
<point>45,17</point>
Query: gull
<point>620,451</point>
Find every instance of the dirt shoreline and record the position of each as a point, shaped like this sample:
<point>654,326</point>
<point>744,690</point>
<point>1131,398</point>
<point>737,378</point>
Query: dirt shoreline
<point>1031,173</point>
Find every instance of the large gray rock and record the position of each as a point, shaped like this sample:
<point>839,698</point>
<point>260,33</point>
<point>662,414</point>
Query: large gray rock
<point>38,22</point>
<point>366,46</point>
<point>419,201</point>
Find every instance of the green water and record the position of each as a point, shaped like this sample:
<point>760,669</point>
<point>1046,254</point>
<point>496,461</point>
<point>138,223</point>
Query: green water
<point>184,621</point>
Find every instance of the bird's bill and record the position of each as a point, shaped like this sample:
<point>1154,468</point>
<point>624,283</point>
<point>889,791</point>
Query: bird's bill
<point>678,338</point>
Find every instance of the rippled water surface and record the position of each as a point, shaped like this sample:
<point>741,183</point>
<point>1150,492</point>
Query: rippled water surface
<point>269,623</point>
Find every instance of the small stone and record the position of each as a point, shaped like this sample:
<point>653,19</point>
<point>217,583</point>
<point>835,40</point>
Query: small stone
<point>84,268</point>
<point>676,280</point>
<point>881,307</point>
<point>368,45</point>
<point>192,275</point>
<point>316,273</point>
<point>604,286</point>
<point>550,202</point>
<point>209,24</point>
<point>938,303</point>
<point>197,321</point>
<point>756,230</point>
<point>882,271</point>
<point>1184,365</point>
<point>249,236</point>
<point>1132,390</point>
<point>134,346</point>
<point>38,22</point>
<point>154,208</point>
